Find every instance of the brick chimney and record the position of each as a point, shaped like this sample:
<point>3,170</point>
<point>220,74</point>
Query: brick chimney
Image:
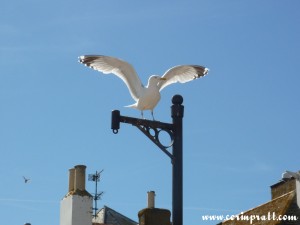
<point>76,206</point>
<point>152,215</point>
<point>283,187</point>
<point>290,182</point>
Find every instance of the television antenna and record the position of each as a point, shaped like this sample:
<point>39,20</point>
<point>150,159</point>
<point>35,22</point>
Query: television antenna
<point>97,196</point>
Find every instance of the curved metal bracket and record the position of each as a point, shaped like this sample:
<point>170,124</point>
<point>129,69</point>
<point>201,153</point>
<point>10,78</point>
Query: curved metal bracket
<point>146,126</point>
<point>155,138</point>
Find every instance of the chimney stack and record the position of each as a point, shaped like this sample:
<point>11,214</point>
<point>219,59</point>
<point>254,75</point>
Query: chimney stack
<point>76,206</point>
<point>152,215</point>
<point>290,182</point>
<point>283,187</point>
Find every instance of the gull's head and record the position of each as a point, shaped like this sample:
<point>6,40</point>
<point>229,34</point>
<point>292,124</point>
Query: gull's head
<point>154,80</point>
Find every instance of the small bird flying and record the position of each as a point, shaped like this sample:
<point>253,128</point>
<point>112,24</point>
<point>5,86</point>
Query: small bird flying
<point>146,97</point>
<point>26,180</point>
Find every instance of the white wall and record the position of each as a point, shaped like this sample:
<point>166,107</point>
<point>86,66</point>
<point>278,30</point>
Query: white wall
<point>76,210</point>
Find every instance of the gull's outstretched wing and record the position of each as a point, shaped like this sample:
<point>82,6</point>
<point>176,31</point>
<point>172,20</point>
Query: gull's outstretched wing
<point>182,74</point>
<point>122,69</point>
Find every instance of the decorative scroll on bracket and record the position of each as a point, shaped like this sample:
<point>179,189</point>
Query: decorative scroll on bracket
<point>151,128</point>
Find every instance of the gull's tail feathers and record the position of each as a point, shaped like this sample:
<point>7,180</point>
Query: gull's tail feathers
<point>134,106</point>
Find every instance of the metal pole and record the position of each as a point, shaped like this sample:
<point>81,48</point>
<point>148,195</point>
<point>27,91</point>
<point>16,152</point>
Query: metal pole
<point>96,196</point>
<point>175,131</point>
<point>177,110</point>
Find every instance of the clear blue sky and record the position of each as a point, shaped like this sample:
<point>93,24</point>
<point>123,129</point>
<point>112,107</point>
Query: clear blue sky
<point>241,124</point>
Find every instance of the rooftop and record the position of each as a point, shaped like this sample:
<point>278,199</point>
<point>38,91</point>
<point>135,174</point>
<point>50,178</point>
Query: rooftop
<point>283,208</point>
<point>109,216</point>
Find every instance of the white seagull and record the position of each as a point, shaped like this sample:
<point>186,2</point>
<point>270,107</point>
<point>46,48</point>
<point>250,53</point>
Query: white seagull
<point>146,97</point>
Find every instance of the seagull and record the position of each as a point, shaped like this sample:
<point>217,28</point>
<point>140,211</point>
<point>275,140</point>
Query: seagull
<point>146,97</point>
<point>26,180</point>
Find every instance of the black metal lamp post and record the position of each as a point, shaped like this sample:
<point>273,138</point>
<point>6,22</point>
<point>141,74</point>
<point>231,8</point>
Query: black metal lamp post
<point>152,130</point>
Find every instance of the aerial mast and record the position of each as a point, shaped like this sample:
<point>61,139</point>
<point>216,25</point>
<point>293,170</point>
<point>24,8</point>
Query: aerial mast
<point>97,196</point>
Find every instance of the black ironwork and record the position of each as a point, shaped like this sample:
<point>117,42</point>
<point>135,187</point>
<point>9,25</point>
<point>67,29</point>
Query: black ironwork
<point>152,130</point>
<point>97,196</point>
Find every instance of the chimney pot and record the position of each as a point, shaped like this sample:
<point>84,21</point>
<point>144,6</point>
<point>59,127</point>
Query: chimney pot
<point>151,199</point>
<point>79,183</point>
<point>152,215</point>
<point>71,179</point>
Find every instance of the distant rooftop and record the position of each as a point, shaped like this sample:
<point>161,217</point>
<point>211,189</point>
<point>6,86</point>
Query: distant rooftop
<point>109,216</point>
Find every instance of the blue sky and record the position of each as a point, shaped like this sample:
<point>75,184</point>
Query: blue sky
<point>241,124</point>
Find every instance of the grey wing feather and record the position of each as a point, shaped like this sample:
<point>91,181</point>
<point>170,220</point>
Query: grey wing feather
<point>120,68</point>
<point>182,74</point>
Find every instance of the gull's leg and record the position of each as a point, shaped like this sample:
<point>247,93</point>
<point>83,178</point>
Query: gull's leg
<point>152,114</point>
<point>142,113</point>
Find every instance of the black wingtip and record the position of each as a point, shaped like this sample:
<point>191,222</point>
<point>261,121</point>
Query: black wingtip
<point>87,59</point>
<point>201,71</point>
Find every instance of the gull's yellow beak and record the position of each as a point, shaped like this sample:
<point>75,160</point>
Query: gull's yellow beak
<point>162,78</point>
